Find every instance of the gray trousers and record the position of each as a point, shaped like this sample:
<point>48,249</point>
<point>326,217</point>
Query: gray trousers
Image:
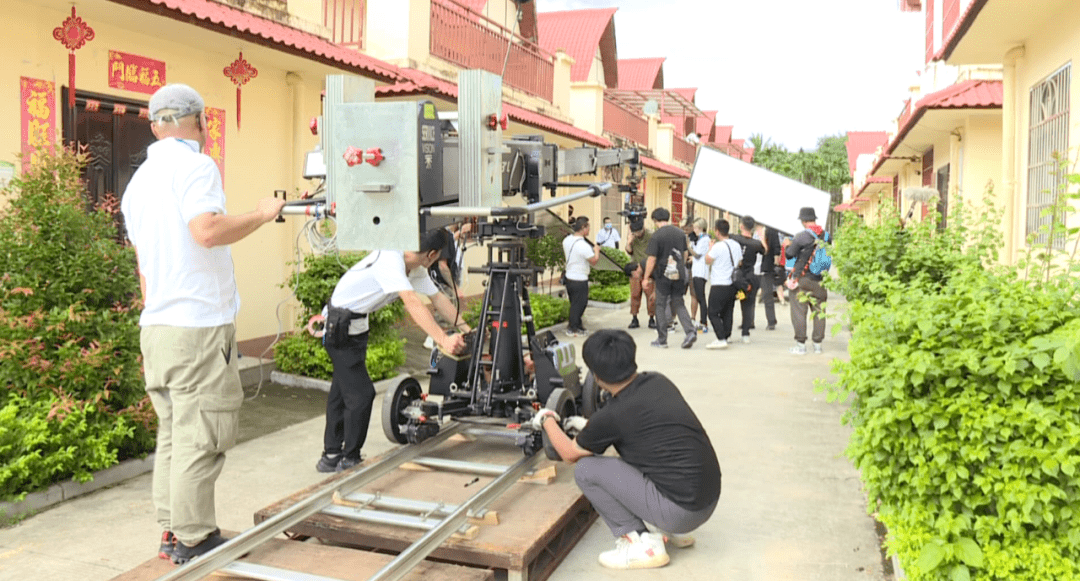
<point>671,292</point>
<point>626,499</point>
<point>816,295</point>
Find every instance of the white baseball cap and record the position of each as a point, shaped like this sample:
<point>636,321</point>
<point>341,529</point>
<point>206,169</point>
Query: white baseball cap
<point>174,101</point>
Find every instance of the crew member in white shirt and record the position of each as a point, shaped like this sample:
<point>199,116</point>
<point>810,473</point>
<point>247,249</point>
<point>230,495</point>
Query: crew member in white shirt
<point>699,270</point>
<point>608,235</point>
<point>174,211</point>
<point>376,281</point>
<point>724,254</point>
<point>581,256</point>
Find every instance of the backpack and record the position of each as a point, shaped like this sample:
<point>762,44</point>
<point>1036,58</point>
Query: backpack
<point>820,261</point>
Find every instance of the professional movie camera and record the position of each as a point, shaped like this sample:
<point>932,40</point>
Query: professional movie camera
<point>397,169</point>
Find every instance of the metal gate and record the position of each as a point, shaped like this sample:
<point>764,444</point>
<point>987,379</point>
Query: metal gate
<point>1048,134</point>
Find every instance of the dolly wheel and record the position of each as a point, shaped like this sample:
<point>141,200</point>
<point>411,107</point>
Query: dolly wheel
<point>394,419</point>
<point>592,396</point>
<point>561,402</point>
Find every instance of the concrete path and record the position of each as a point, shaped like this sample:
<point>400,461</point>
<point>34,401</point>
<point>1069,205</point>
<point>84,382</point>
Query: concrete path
<point>791,508</point>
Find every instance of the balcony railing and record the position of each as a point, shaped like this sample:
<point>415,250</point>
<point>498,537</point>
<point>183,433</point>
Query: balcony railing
<point>625,123</point>
<point>345,19</point>
<point>683,150</point>
<point>473,41</point>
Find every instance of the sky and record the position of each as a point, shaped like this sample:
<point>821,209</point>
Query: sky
<point>792,70</point>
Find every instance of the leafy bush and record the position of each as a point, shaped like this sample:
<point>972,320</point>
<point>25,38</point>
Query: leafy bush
<point>73,400</point>
<point>964,404</point>
<point>611,277</point>
<point>547,311</point>
<point>610,294</point>
<point>546,253</point>
<point>303,354</point>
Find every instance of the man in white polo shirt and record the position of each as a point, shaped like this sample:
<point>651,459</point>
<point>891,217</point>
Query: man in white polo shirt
<point>174,210</point>
<point>581,256</point>
<point>376,281</point>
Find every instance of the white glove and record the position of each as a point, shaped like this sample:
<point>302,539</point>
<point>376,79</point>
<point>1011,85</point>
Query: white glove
<point>537,421</point>
<point>574,424</point>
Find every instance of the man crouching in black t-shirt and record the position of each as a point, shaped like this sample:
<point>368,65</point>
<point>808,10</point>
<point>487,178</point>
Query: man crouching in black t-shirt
<point>666,474</point>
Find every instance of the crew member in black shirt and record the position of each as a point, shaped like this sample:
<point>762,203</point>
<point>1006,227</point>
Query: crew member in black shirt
<point>752,249</point>
<point>666,268</point>
<point>771,265</point>
<point>666,474</point>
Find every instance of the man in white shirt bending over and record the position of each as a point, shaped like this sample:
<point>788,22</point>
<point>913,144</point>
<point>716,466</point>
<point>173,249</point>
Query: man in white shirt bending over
<point>376,281</point>
<point>581,256</point>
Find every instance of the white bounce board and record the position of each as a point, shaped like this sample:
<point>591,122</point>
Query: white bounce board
<point>726,183</point>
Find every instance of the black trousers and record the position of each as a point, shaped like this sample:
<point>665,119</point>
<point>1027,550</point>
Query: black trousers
<point>749,304</point>
<point>768,295</point>
<point>721,309</point>
<point>348,407</point>
<point>703,304</point>
<point>578,293</point>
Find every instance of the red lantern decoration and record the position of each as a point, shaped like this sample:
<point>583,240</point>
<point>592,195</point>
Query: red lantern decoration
<point>73,33</point>
<point>240,72</point>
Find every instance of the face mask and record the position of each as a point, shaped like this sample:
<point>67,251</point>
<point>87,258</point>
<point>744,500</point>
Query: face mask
<point>607,226</point>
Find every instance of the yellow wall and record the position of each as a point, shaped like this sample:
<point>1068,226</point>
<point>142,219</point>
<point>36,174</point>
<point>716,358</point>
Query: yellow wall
<point>1046,50</point>
<point>260,157</point>
<point>981,152</point>
<point>587,107</point>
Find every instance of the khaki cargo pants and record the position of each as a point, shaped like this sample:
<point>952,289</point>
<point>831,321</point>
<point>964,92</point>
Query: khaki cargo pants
<point>193,381</point>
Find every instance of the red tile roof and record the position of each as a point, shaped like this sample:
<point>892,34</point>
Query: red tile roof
<point>669,169</point>
<point>580,33</point>
<point>424,84</point>
<point>706,124</point>
<point>641,74</point>
<point>252,28</point>
<point>960,29</point>
<point>687,93</point>
<point>723,133</point>
<point>971,94</point>
<point>861,142</point>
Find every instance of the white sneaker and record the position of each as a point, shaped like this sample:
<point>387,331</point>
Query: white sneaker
<point>679,541</point>
<point>746,338</point>
<point>799,349</point>
<point>817,348</point>
<point>634,551</point>
<point>717,344</point>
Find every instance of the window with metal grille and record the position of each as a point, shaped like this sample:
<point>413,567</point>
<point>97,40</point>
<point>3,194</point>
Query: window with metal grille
<point>1048,134</point>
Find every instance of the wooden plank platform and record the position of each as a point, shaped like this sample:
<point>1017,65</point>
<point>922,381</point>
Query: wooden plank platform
<point>317,559</point>
<point>538,524</point>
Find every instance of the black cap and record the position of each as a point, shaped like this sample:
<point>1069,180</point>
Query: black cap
<point>807,214</point>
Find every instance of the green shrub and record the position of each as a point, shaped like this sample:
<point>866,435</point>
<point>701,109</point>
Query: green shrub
<point>963,397</point>
<point>73,399</point>
<point>303,354</point>
<point>611,277</point>
<point>610,294</point>
<point>547,311</point>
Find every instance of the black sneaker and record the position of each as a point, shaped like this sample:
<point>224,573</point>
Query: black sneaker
<point>634,324</point>
<point>328,463</point>
<point>168,545</point>
<point>183,553</point>
<point>347,463</point>
<point>652,322</point>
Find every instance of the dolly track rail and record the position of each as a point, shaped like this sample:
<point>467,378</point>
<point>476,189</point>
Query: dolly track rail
<point>252,538</point>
